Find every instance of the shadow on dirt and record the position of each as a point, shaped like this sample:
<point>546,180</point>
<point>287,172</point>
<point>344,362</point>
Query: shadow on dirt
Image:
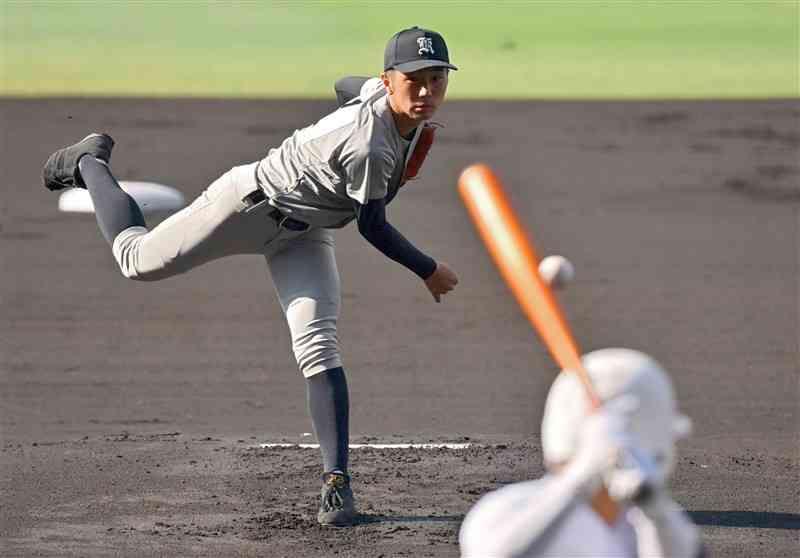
<point>365,519</point>
<point>760,520</point>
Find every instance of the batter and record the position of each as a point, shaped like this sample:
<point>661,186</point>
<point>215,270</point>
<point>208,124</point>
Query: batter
<point>348,166</point>
<point>605,494</point>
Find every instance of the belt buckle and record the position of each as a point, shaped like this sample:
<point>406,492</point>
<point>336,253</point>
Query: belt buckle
<point>254,200</point>
<point>292,224</point>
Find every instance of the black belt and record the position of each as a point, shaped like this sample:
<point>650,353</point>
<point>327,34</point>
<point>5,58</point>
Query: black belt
<point>258,197</point>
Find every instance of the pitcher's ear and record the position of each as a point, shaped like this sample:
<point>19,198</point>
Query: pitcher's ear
<point>387,82</point>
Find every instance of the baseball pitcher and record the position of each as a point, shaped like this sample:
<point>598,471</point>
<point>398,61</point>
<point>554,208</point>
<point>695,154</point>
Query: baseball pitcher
<point>605,493</point>
<point>346,167</point>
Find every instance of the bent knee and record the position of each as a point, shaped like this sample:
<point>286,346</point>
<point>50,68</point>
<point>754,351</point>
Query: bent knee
<point>138,261</point>
<point>317,348</point>
<point>314,339</point>
<point>126,248</point>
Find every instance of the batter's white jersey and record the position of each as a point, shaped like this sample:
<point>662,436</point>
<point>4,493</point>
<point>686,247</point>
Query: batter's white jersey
<point>492,528</point>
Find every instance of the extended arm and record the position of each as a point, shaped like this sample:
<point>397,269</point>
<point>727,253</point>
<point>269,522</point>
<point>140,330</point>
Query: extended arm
<point>373,226</point>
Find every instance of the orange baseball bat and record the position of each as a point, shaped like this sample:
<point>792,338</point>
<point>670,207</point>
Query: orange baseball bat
<point>513,252</point>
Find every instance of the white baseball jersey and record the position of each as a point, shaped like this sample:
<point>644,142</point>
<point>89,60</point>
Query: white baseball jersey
<point>354,154</point>
<point>492,528</point>
<point>579,533</point>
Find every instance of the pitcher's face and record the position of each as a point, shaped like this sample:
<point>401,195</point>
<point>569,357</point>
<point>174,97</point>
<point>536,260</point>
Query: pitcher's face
<point>416,95</point>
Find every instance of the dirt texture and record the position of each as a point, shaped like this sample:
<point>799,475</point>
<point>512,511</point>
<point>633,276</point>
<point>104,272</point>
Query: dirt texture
<point>130,414</point>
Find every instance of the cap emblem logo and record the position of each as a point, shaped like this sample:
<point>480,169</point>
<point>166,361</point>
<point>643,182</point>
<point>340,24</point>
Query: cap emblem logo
<point>425,45</point>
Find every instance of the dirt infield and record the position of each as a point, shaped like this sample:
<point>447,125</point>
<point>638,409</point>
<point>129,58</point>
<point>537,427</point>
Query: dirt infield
<point>130,413</point>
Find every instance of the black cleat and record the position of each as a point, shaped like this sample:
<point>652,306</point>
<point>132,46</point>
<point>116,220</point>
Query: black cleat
<point>337,507</point>
<point>61,169</point>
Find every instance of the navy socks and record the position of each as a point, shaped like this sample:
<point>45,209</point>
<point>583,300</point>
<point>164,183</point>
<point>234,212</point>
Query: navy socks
<point>329,404</point>
<point>114,209</point>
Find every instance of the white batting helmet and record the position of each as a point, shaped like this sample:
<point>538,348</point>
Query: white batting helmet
<point>632,382</point>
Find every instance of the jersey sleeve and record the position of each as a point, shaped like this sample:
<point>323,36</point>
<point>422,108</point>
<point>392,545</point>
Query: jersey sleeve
<point>475,535</point>
<point>517,520</point>
<point>368,173</point>
<point>377,231</point>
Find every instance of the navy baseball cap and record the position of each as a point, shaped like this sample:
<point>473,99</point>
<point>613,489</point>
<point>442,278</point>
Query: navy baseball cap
<point>414,49</point>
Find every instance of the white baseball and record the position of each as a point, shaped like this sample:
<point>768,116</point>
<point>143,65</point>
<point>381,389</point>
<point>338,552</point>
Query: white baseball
<point>556,271</point>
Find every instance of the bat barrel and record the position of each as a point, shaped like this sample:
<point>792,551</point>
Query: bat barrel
<point>515,257</point>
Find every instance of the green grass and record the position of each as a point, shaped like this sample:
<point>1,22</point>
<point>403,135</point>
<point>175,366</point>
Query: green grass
<point>536,49</point>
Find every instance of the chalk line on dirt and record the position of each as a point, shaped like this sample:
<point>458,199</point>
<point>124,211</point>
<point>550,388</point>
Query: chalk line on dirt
<point>280,445</point>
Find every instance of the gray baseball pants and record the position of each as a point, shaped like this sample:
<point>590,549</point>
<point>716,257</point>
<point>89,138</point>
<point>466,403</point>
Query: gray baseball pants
<point>218,224</point>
